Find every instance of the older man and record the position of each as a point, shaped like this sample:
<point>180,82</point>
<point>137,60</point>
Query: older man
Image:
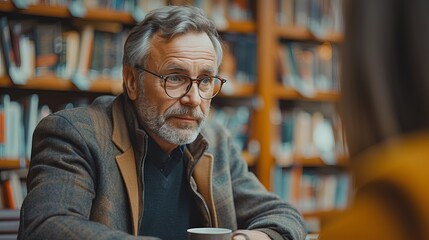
<point>147,163</point>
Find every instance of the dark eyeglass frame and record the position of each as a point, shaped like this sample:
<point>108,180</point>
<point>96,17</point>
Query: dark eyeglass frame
<point>188,88</point>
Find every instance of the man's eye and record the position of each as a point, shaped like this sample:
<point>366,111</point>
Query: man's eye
<point>176,78</point>
<point>206,80</point>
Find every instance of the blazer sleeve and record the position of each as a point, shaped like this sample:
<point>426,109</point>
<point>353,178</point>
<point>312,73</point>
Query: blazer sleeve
<point>242,202</point>
<point>259,209</point>
<point>61,186</point>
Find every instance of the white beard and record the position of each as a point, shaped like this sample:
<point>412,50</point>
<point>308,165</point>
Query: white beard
<point>157,123</point>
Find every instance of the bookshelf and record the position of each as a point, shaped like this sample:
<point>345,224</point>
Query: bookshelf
<point>265,94</point>
<point>300,169</point>
<point>56,91</point>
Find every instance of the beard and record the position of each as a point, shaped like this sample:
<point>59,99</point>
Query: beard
<point>154,121</point>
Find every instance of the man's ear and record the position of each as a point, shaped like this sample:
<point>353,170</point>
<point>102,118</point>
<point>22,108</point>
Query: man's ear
<point>130,82</point>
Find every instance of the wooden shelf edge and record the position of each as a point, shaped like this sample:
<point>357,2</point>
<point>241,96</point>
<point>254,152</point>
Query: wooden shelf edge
<point>240,26</point>
<point>7,6</point>
<point>106,85</point>
<point>95,14</point>
<point>100,14</point>
<point>289,93</point>
<point>302,161</point>
<point>318,162</point>
<point>101,85</point>
<point>303,33</point>
<point>12,163</point>
<point>105,14</point>
<point>238,90</point>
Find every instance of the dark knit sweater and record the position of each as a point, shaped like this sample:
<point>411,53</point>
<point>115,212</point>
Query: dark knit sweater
<point>167,196</point>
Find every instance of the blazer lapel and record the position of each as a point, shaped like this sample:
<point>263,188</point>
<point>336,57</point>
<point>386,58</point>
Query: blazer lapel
<point>203,175</point>
<point>126,160</point>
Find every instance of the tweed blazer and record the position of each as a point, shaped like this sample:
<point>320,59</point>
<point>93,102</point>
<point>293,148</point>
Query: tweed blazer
<point>83,180</point>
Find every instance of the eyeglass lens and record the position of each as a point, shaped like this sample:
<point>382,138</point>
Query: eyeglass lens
<point>177,85</point>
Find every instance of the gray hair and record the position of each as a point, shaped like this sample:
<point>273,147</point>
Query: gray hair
<point>168,22</point>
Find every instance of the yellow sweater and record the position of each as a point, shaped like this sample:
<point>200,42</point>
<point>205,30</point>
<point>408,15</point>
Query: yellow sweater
<point>392,198</point>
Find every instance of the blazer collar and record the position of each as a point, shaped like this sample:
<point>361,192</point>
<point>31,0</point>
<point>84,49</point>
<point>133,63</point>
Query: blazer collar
<point>126,160</point>
<point>120,136</point>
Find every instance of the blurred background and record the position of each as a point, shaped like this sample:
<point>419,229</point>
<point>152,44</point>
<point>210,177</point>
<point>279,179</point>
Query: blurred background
<point>281,102</point>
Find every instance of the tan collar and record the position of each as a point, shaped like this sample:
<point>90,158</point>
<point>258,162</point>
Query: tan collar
<point>126,160</point>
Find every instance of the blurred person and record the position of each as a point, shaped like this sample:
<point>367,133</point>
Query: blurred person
<point>385,109</point>
<point>147,162</point>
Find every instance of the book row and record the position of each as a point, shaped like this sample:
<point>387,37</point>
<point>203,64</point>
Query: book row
<point>312,191</point>
<point>18,120</point>
<point>19,117</point>
<point>321,17</point>
<point>84,52</point>
<point>308,67</point>
<point>305,132</point>
<point>13,189</point>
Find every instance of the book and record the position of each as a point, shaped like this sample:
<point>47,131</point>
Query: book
<point>2,65</point>
<point>28,56</point>
<point>304,63</point>
<point>285,13</point>
<point>9,226</point>
<point>12,187</point>
<point>9,214</point>
<point>30,106</point>
<point>16,125</point>
<point>9,197</point>
<point>69,54</point>
<point>6,130</point>
<point>8,236</point>
<point>81,76</point>
<point>48,47</point>
<point>9,223</point>
<point>15,72</point>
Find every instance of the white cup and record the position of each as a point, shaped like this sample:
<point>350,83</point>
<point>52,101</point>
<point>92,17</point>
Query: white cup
<point>210,234</point>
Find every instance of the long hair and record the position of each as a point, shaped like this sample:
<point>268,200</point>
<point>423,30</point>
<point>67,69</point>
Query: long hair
<point>385,70</point>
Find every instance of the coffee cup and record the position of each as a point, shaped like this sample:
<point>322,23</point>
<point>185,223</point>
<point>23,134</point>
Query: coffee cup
<point>212,234</point>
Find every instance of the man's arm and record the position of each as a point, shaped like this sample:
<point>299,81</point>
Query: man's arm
<point>258,209</point>
<point>61,186</point>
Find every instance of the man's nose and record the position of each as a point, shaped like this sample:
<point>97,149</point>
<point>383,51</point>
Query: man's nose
<point>192,98</point>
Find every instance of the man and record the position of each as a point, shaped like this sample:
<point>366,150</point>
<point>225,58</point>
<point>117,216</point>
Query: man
<point>137,164</point>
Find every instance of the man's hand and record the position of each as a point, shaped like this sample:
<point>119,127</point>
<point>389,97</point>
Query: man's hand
<point>251,234</point>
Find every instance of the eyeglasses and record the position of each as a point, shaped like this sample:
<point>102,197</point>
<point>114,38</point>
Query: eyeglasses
<point>178,85</point>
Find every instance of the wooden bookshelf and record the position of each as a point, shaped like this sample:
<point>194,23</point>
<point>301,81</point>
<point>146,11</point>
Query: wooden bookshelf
<point>37,10</point>
<point>273,94</point>
<point>288,93</point>
<point>101,85</point>
<point>304,34</point>
<point>241,27</point>
<point>109,15</point>
<point>317,162</point>
<point>266,89</point>
<point>240,90</point>
<point>41,10</point>
<point>12,164</point>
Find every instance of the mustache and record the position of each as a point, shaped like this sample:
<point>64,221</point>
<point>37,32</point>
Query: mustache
<point>185,111</point>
